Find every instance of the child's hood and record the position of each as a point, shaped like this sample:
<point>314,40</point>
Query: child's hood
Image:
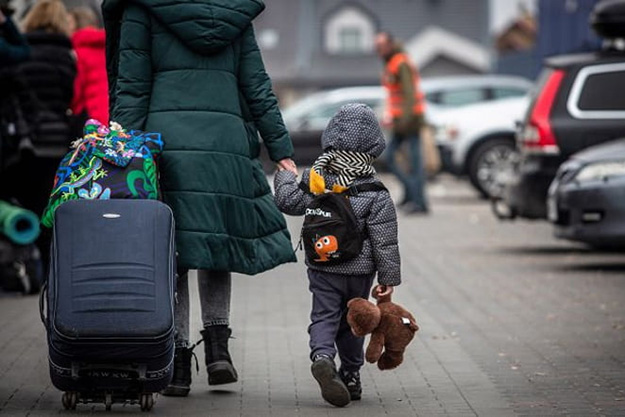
<point>355,128</point>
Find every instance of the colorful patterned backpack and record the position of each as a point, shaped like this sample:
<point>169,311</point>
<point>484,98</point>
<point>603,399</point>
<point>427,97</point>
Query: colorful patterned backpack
<point>107,163</point>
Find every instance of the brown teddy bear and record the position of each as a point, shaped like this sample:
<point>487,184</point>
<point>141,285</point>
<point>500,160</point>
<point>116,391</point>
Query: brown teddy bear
<point>392,328</point>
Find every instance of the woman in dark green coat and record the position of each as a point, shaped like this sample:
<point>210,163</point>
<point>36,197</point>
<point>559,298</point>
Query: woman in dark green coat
<point>191,70</point>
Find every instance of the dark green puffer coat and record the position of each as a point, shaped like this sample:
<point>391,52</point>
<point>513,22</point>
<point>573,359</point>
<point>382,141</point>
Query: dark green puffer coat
<point>191,70</point>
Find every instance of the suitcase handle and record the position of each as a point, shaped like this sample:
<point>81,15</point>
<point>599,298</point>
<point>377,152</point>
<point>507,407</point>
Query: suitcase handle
<point>42,301</point>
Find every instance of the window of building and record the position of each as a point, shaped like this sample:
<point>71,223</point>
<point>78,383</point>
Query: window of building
<point>349,31</point>
<point>350,40</point>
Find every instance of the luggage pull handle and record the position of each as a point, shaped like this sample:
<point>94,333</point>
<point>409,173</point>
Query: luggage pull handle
<point>42,303</point>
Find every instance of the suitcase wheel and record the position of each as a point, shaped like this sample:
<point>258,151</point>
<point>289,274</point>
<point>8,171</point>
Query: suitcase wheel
<point>146,402</point>
<point>69,400</point>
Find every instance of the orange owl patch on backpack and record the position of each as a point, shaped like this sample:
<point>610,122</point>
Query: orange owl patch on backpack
<point>326,246</point>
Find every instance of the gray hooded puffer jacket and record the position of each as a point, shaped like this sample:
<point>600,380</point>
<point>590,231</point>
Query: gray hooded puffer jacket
<point>353,128</point>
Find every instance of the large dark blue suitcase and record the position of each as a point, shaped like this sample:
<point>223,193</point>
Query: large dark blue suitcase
<point>110,301</point>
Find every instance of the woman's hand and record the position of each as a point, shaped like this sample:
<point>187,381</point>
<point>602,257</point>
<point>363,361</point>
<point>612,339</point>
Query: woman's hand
<point>288,165</point>
<point>2,18</point>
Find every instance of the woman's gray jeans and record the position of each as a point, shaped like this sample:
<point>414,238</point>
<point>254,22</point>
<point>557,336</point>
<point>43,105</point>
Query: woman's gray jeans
<point>214,291</point>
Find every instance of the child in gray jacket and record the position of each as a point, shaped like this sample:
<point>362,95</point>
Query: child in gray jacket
<point>351,142</point>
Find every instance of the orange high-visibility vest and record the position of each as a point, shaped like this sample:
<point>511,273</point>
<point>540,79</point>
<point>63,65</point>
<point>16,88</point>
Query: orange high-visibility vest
<point>390,80</point>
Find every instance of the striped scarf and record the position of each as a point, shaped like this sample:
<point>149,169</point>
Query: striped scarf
<point>347,165</point>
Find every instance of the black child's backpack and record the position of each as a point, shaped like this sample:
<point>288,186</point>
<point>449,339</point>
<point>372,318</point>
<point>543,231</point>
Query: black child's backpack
<point>330,233</point>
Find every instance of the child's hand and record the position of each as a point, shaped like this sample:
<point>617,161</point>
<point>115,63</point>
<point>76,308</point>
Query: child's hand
<point>382,291</point>
<point>287,164</point>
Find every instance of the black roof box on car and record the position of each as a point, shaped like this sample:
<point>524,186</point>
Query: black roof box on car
<point>608,19</point>
<point>606,56</point>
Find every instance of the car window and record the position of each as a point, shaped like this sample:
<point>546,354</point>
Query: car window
<point>603,91</point>
<point>319,117</point>
<point>454,98</point>
<point>434,97</point>
<point>324,112</point>
<point>302,107</point>
<point>505,92</point>
<point>598,92</point>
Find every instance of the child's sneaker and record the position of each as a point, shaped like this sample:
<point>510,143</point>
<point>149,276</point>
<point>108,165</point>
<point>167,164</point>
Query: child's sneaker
<point>352,382</point>
<point>333,390</point>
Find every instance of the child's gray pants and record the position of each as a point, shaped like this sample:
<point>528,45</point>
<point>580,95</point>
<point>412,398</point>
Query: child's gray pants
<point>328,328</point>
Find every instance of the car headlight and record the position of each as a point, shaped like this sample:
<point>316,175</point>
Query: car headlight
<point>568,170</point>
<point>601,170</point>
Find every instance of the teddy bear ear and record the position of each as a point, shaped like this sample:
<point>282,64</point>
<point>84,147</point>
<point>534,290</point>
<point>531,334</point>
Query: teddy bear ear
<point>353,300</point>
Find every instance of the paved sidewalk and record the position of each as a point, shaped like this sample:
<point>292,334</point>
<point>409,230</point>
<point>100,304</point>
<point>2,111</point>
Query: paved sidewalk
<point>512,323</point>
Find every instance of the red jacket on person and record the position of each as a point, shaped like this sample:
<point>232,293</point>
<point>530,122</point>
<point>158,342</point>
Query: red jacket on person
<point>91,84</point>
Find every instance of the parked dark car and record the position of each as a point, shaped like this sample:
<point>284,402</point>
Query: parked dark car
<point>307,118</point>
<point>586,201</point>
<point>579,101</point>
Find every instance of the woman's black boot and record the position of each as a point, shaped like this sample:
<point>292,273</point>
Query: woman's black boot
<point>180,384</point>
<point>218,362</point>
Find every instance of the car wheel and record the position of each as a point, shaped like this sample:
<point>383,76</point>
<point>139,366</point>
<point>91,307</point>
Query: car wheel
<point>491,165</point>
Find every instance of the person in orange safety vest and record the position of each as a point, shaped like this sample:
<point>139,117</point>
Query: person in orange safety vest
<point>405,112</point>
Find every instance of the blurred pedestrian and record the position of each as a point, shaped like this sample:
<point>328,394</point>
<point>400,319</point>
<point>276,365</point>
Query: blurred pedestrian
<point>192,70</point>
<point>91,95</point>
<point>94,6</point>
<point>13,46</point>
<point>351,142</point>
<point>405,114</point>
<point>48,77</point>
<point>13,50</point>
<point>44,85</point>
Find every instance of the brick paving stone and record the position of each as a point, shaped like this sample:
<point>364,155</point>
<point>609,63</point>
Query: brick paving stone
<point>512,323</point>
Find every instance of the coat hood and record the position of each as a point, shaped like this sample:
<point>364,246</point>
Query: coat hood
<point>354,128</point>
<point>205,26</point>
<point>89,37</point>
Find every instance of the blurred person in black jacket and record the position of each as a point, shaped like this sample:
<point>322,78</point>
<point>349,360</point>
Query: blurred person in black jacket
<point>49,77</point>
<point>13,49</point>
<point>43,91</point>
<point>13,46</point>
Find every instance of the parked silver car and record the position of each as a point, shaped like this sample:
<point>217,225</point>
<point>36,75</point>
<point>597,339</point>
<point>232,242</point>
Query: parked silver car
<point>445,97</point>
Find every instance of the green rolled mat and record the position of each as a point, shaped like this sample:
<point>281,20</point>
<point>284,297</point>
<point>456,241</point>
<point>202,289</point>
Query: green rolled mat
<point>19,225</point>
